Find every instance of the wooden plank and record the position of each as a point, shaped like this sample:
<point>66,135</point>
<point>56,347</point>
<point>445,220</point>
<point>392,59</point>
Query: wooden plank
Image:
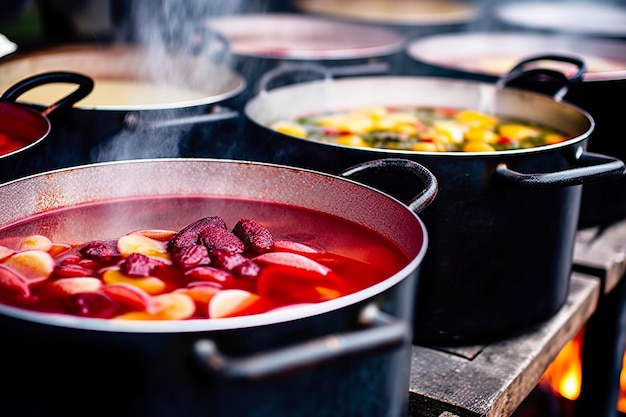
<point>500,376</point>
<point>602,252</point>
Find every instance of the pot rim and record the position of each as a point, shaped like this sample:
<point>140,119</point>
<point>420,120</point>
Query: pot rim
<point>580,17</point>
<point>198,325</point>
<point>272,44</point>
<point>439,50</point>
<point>464,12</point>
<point>382,153</point>
<point>61,58</point>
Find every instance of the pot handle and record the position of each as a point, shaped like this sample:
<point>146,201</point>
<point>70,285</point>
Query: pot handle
<point>326,72</point>
<point>596,168</point>
<point>418,203</point>
<point>381,332</point>
<point>544,80</point>
<point>134,121</point>
<point>85,86</point>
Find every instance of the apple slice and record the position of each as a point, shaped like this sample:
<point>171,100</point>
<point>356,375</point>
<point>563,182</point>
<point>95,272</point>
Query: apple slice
<point>235,302</point>
<point>130,296</point>
<point>75,285</point>
<point>287,285</point>
<point>200,291</point>
<point>13,282</point>
<point>293,260</point>
<point>296,247</point>
<point>135,242</point>
<point>162,235</point>
<point>34,265</point>
<point>38,242</point>
<point>5,252</point>
<point>169,306</point>
<point>151,285</point>
<point>58,248</point>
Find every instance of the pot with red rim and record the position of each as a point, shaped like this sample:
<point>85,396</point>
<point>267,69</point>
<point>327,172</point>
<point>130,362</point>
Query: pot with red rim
<point>494,211</point>
<point>24,130</point>
<point>349,354</point>
<point>488,56</point>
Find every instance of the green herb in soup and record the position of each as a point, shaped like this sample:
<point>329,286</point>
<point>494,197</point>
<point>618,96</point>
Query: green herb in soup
<point>426,129</point>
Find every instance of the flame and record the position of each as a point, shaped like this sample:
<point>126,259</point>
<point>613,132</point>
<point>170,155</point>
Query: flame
<point>621,401</point>
<point>564,375</point>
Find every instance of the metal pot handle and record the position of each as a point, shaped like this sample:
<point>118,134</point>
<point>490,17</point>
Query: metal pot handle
<point>418,203</point>
<point>85,86</point>
<point>596,168</point>
<point>326,72</point>
<point>381,332</point>
<point>543,80</point>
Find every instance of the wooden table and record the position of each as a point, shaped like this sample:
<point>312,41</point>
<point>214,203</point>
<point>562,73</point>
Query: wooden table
<point>493,380</point>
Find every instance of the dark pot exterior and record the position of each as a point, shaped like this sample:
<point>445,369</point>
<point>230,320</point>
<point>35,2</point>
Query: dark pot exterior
<point>58,371</point>
<point>601,203</point>
<point>500,255</point>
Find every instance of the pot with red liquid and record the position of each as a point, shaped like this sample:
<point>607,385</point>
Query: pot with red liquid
<point>346,355</point>
<point>23,129</point>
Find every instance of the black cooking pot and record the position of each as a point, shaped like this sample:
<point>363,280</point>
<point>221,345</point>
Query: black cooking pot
<point>30,128</point>
<point>261,42</point>
<point>346,356</point>
<point>503,225</point>
<point>488,56</point>
<point>145,103</point>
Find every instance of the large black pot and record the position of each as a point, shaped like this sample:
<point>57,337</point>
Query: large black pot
<point>346,356</point>
<point>261,42</point>
<point>488,56</point>
<point>503,225</point>
<point>114,123</point>
<point>29,127</point>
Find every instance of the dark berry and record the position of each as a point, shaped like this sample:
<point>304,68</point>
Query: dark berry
<point>256,237</point>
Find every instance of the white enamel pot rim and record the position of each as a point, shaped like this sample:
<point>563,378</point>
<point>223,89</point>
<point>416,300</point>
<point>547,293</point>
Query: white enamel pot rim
<point>319,97</point>
<point>87,183</point>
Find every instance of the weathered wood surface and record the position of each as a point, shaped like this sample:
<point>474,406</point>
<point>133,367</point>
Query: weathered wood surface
<point>602,252</point>
<point>493,380</point>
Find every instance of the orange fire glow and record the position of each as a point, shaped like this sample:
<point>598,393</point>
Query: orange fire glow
<point>564,375</point>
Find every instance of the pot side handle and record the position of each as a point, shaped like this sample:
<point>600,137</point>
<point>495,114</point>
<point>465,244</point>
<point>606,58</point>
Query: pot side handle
<point>418,203</point>
<point>544,80</point>
<point>326,72</point>
<point>596,168</point>
<point>85,86</point>
<point>381,332</point>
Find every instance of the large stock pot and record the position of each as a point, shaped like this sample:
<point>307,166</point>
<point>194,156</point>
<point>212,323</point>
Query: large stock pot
<point>503,225</point>
<point>146,101</point>
<point>346,356</point>
<point>488,56</point>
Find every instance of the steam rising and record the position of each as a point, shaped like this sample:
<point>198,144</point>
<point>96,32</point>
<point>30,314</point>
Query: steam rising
<point>168,30</point>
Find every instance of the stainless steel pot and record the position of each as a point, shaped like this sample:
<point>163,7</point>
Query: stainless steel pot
<point>350,355</point>
<point>503,225</point>
<point>488,56</point>
<point>125,116</point>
